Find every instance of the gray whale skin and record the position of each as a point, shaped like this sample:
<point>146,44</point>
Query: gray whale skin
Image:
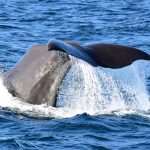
<point>38,75</point>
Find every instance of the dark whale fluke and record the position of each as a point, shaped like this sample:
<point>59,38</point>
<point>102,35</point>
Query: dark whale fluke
<point>114,56</point>
<point>37,76</point>
<point>105,55</point>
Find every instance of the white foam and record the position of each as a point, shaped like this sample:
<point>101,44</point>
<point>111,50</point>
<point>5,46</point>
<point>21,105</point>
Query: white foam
<point>95,91</point>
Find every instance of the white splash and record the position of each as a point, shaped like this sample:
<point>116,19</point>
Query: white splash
<point>100,90</point>
<point>91,90</point>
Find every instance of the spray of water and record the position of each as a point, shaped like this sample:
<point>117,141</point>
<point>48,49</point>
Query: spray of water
<point>100,90</point>
<point>91,90</point>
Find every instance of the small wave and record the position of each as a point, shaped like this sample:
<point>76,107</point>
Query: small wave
<point>8,27</point>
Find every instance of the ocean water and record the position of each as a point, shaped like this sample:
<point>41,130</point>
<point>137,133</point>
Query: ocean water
<point>97,108</point>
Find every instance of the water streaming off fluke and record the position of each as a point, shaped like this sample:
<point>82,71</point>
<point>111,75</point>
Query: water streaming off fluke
<point>96,90</point>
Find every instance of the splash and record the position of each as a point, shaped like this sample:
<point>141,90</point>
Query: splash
<point>91,90</point>
<point>100,90</point>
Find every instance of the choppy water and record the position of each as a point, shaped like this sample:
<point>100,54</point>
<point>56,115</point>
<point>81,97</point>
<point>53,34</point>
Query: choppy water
<point>104,108</point>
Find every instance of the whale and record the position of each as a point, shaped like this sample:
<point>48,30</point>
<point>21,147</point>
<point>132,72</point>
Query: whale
<point>36,78</point>
<point>104,55</point>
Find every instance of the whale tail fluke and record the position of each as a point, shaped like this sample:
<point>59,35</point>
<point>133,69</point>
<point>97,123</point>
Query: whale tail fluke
<point>115,56</point>
<point>143,55</point>
<point>105,55</point>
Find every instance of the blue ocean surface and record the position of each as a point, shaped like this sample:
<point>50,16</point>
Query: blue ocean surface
<point>105,109</point>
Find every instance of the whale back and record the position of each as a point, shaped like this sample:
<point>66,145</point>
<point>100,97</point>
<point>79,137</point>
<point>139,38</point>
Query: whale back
<point>37,76</point>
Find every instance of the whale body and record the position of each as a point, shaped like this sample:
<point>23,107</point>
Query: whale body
<point>36,78</point>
